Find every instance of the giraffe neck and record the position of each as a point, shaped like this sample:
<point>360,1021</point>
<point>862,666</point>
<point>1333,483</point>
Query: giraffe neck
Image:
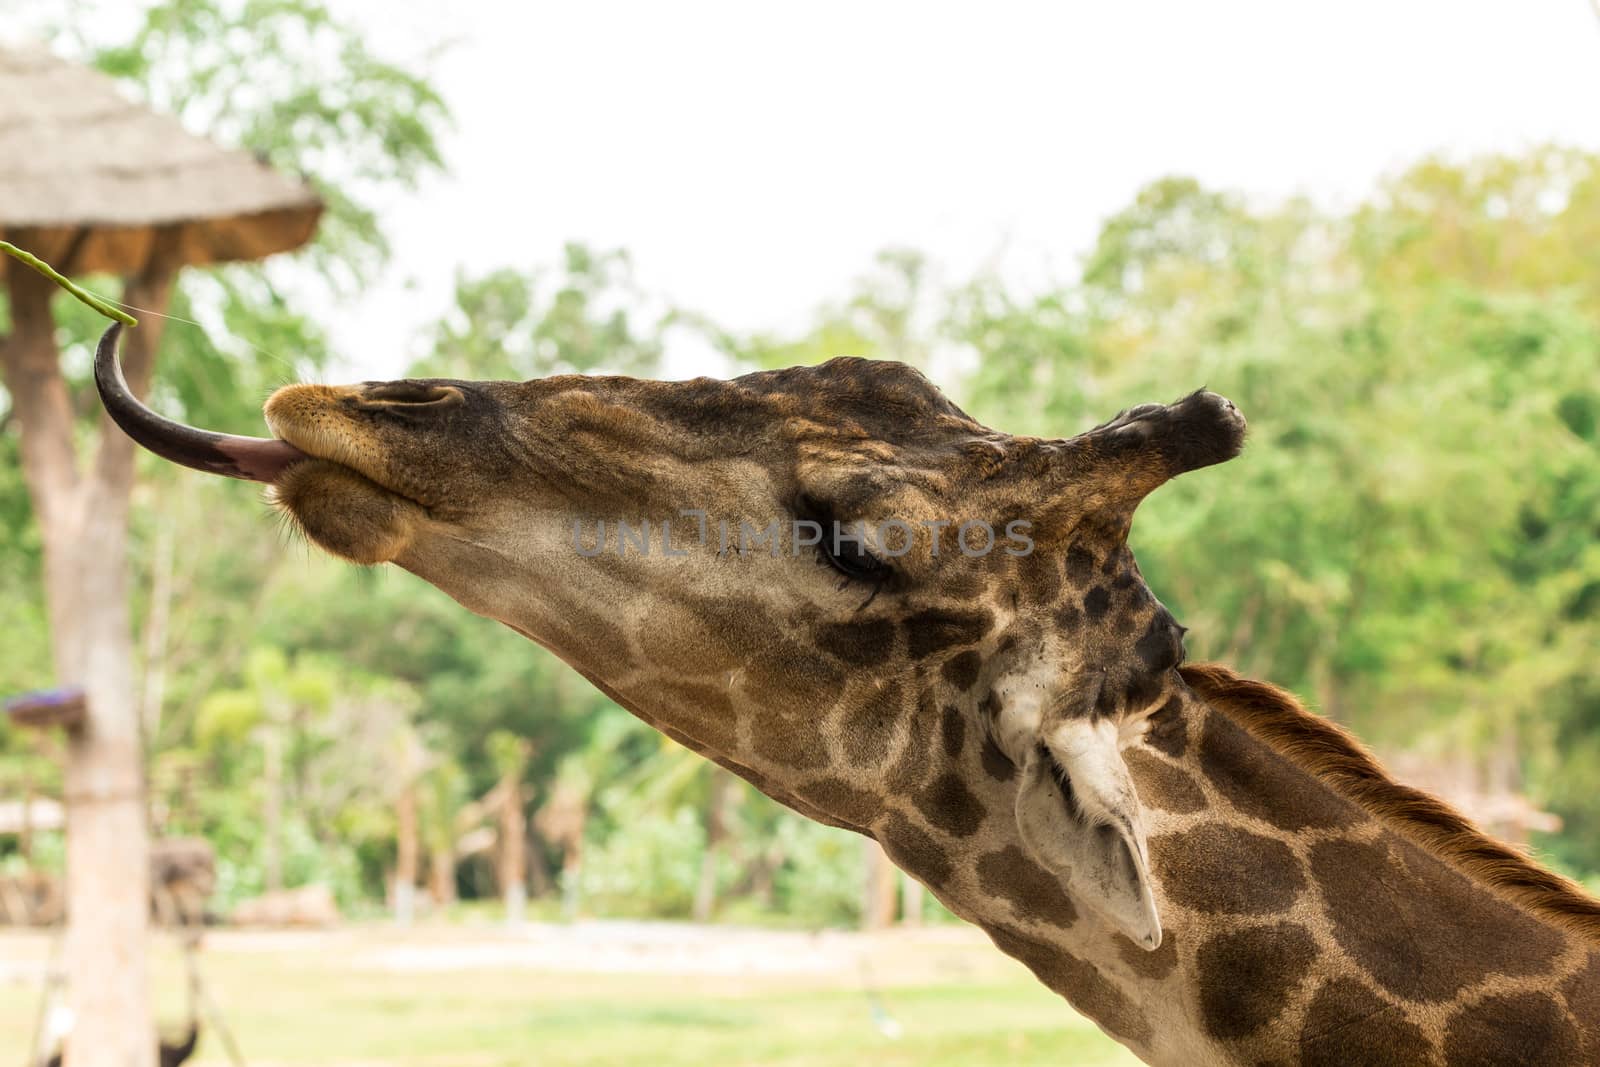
<point>1300,926</point>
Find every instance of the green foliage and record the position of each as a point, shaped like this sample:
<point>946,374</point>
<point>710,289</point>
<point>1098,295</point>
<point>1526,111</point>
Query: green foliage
<point>648,867</point>
<point>502,327</point>
<point>1412,539</point>
<point>820,880</point>
<point>25,651</point>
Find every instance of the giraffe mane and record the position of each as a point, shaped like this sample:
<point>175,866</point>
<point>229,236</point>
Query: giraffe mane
<point>1334,756</point>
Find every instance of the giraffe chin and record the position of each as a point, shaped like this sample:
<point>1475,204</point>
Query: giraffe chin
<point>346,513</point>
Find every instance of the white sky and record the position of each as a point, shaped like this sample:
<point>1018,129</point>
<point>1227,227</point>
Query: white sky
<point>754,156</point>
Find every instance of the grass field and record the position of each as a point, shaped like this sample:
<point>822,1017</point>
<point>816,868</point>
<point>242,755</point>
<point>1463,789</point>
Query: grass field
<point>604,994</point>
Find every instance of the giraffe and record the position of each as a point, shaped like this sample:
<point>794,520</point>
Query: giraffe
<point>1192,860</point>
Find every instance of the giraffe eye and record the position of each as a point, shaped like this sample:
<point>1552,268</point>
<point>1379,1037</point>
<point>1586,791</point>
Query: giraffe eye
<point>851,558</point>
<point>842,545</point>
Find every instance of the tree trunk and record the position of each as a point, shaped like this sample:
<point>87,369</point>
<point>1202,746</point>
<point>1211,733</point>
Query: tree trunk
<point>539,884</point>
<point>910,900</point>
<point>83,522</point>
<point>718,793</point>
<point>878,906</point>
<point>406,855</point>
<point>512,866</point>
<point>442,875</point>
<point>154,690</point>
<point>572,880</point>
<point>764,876</point>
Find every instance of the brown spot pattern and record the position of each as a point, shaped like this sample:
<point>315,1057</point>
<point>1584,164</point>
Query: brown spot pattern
<point>997,764</point>
<point>860,644</point>
<point>1033,892</point>
<point>1142,690</point>
<point>1039,578</point>
<point>1247,976</point>
<point>1159,647</point>
<point>1419,928</point>
<point>783,665</point>
<point>869,725</point>
<point>1079,565</point>
<point>912,849</point>
<point>953,731</point>
<point>838,797</point>
<point>989,706</point>
<point>1153,965</point>
<point>951,806</point>
<point>1525,1028</point>
<point>1169,729</point>
<point>1349,1024</point>
<point>704,711</point>
<point>1222,869</point>
<point>933,631</point>
<point>961,670</point>
<point>1105,700</point>
<point>1162,785</point>
<point>910,772</point>
<point>1261,783</point>
<point>792,740</point>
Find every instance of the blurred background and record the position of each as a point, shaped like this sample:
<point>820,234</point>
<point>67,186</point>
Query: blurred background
<point>1375,227</point>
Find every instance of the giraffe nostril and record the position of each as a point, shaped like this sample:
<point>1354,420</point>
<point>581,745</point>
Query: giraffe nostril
<point>409,393</point>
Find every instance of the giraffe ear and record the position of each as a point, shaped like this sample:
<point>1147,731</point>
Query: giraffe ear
<point>1087,825</point>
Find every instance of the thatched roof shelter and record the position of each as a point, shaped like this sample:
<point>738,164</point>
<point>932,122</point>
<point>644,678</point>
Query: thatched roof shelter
<point>92,177</point>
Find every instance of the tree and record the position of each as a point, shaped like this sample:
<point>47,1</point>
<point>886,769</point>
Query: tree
<point>1401,542</point>
<point>441,795</point>
<point>502,326</point>
<point>504,804</point>
<point>201,59</point>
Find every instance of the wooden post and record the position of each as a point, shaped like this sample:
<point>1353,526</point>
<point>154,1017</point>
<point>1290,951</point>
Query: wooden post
<point>407,852</point>
<point>512,853</point>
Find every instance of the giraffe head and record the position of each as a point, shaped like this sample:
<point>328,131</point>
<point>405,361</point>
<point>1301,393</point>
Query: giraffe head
<point>831,579</point>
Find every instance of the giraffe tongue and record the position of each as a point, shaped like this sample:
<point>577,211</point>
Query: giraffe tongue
<point>257,459</point>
